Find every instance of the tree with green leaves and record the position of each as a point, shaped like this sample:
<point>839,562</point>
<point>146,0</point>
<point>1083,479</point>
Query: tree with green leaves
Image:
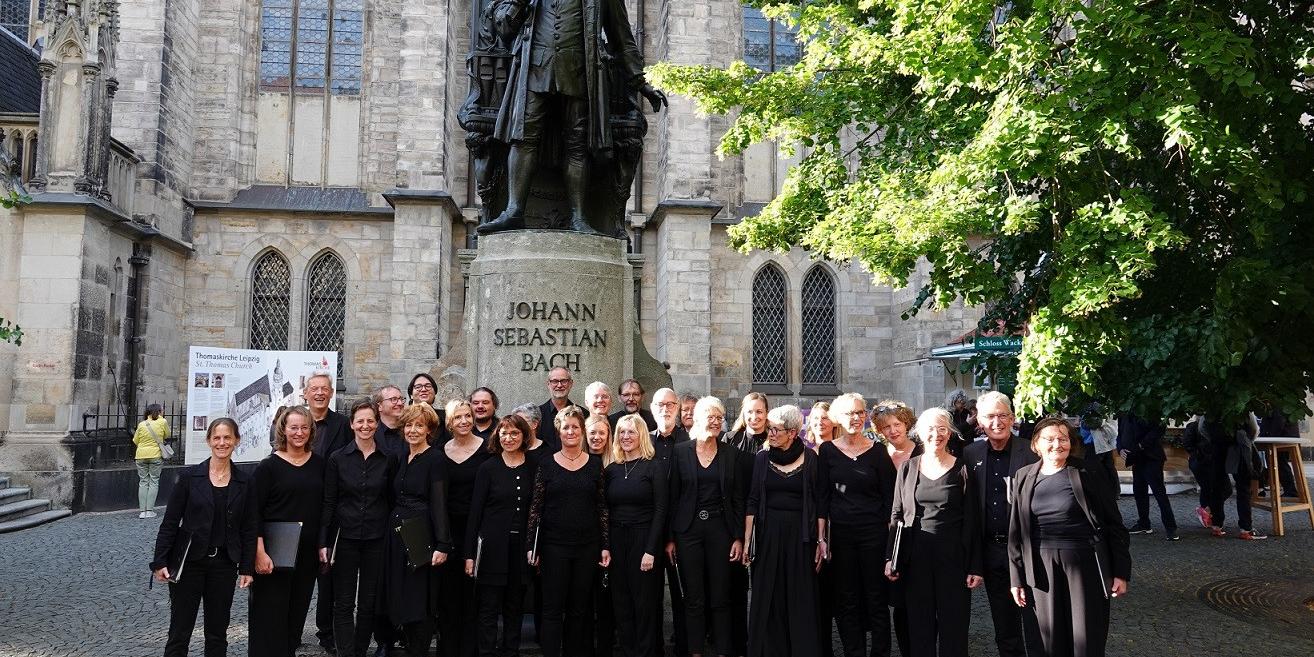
<point>1125,181</point>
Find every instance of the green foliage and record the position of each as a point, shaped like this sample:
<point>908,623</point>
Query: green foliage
<point>1128,180</point>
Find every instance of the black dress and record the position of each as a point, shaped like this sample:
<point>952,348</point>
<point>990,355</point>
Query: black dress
<point>783,618</point>
<point>419,491</point>
<point>280,600</point>
<point>456,619</point>
<point>637,497</point>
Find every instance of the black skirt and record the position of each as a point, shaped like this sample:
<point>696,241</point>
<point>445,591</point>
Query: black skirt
<point>782,617</point>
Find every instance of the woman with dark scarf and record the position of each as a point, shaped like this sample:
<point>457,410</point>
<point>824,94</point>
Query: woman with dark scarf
<point>786,529</point>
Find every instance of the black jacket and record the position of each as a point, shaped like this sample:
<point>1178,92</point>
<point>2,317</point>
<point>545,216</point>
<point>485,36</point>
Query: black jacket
<point>1019,455</point>
<point>904,508</point>
<point>331,434</point>
<point>1100,508</point>
<point>684,488</point>
<point>547,428</point>
<point>191,513</point>
<point>1143,439</point>
<point>644,413</point>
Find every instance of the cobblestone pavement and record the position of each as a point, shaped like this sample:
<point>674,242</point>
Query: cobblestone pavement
<point>78,587</point>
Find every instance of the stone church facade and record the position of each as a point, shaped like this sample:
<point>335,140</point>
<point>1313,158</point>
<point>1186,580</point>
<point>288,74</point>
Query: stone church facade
<point>290,174</point>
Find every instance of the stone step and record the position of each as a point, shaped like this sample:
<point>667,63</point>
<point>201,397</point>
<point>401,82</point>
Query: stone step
<point>15,510</point>
<point>14,494</point>
<point>33,520</point>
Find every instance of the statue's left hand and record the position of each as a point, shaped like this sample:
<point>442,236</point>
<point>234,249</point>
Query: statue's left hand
<point>655,97</point>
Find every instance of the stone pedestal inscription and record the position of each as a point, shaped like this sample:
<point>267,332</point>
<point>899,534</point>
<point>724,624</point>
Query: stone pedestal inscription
<point>544,299</point>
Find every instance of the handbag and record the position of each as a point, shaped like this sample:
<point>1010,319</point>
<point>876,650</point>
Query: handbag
<point>166,450</point>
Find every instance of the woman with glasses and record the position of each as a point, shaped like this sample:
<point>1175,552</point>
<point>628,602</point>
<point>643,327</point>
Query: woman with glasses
<point>706,513</point>
<point>424,389</point>
<point>892,421</point>
<point>785,525</point>
<point>939,555</point>
<point>860,479</point>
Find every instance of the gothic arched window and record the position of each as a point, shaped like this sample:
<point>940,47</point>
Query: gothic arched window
<point>769,45</point>
<point>312,45</point>
<point>818,330</point>
<point>271,288</point>
<point>326,305</point>
<point>770,314</point>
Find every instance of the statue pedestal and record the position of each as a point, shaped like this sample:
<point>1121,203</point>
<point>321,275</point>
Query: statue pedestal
<point>543,299</point>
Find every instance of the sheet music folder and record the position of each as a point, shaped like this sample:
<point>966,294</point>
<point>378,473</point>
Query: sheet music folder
<point>414,533</point>
<point>281,542</point>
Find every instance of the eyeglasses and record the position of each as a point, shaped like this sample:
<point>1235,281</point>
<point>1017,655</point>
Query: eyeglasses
<point>997,416</point>
<point>559,382</point>
<point>394,400</point>
<point>421,386</point>
<point>668,404</point>
<point>857,412</point>
<point>775,430</point>
<point>716,418</point>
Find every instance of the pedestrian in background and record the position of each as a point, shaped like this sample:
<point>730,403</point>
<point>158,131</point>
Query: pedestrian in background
<point>209,534</point>
<point>1140,441</point>
<point>150,438</point>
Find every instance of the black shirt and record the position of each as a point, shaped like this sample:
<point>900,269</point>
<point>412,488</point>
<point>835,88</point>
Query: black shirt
<point>391,441</point>
<point>784,490</point>
<point>571,506</point>
<point>643,413</point>
<point>1058,517</point>
<point>547,426</point>
<point>461,481</point>
<point>219,526</point>
<point>488,432</point>
<point>664,445</point>
<point>291,493</point>
<point>637,494</point>
<point>861,489</point>
<point>357,494</point>
<point>996,493</point>
<point>331,434</point>
<point>940,502</point>
<point>709,484</point>
<point>419,490</point>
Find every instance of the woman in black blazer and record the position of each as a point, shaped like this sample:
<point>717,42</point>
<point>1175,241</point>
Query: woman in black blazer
<point>1067,547</point>
<point>940,552</point>
<point>499,513</point>
<point>707,526</point>
<point>209,533</point>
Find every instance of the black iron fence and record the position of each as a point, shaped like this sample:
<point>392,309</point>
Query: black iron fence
<point>105,436</point>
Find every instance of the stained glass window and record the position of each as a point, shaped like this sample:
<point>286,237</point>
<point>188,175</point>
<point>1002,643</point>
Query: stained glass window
<point>818,327</point>
<point>321,40</point>
<point>271,289</point>
<point>770,335</point>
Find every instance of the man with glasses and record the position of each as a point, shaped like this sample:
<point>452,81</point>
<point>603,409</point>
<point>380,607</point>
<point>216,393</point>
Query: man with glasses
<point>667,432</point>
<point>631,395</point>
<point>993,462</point>
<point>390,402</point>
<point>559,382</point>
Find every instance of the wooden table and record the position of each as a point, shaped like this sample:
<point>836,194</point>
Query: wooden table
<point>1274,503</point>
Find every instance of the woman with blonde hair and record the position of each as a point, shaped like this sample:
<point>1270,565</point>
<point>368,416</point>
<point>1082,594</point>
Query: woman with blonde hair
<point>637,497</point>
<point>749,436</point>
<point>939,548</point>
<point>821,429</point>
<point>706,522</point>
<point>464,453</point>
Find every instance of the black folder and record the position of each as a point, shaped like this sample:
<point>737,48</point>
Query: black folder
<point>175,573</point>
<point>281,542</point>
<point>414,533</point>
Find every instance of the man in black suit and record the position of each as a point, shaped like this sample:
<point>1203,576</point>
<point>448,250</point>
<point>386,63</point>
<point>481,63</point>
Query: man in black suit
<point>993,462</point>
<point>559,383</point>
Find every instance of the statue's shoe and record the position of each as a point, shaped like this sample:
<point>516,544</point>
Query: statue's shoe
<point>504,222</point>
<point>579,225</point>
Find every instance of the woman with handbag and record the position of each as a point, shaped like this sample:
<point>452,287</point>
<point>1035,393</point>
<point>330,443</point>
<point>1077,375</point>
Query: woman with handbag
<point>206,543</point>
<point>1068,550</point>
<point>152,441</point>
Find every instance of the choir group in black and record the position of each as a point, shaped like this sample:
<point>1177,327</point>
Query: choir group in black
<point>416,522</point>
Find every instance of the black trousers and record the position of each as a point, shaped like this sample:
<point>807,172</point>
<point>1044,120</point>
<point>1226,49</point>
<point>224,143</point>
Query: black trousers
<point>1204,479</point>
<point>418,637</point>
<point>1072,611</point>
<point>1147,477</point>
<point>210,580</point>
<point>703,555</point>
<point>635,595</point>
<point>826,600</point>
<point>279,604</point>
<point>861,590</point>
<point>679,624</point>
<point>899,619</point>
<point>502,596</point>
<point>603,622</point>
<point>357,569</point>
<point>324,609</point>
<point>1221,490</point>
<point>568,575</point>
<point>738,610</point>
<point>457,610</point>
<point>1016,634</point>
<point>939,602</point>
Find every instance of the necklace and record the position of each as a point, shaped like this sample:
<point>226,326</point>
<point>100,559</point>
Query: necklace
<point>574,458</point>
<point>627,468</point>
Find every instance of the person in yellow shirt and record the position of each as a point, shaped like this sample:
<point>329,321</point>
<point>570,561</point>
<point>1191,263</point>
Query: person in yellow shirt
<point>149,438</point>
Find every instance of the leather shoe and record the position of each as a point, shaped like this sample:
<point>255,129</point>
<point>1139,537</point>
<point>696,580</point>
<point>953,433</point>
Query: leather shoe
<point>579,225</point>
<point>503,222</point>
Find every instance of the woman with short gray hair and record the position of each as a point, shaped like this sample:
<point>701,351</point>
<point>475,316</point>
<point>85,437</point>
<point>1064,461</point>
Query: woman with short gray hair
<point>786,527</point>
